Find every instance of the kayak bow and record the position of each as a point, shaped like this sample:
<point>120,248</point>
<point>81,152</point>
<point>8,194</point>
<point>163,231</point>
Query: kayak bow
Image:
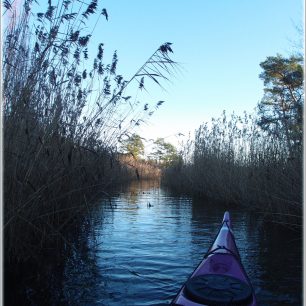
<point>220,278</point>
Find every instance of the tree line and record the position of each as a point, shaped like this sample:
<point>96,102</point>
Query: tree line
<point>163,153</point>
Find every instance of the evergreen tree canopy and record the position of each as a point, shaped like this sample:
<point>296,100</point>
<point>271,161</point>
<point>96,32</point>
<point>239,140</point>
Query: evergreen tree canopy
<point>164,152</point>
<point>134,145</point>
<point>281,108</point>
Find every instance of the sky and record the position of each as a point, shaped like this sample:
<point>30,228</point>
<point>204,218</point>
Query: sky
<point>219,45</point>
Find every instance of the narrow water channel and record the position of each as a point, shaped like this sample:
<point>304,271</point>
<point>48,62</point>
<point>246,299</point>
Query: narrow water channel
<point>146,241</point>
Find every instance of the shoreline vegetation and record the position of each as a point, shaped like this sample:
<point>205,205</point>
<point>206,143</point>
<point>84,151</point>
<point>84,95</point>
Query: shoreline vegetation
<point>62,122</point>
<point>63,126</point>
<point>254,161</point>
<point>234,163</point>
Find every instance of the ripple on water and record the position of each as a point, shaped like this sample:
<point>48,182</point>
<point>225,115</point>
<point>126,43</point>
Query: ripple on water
<point>143,254</point>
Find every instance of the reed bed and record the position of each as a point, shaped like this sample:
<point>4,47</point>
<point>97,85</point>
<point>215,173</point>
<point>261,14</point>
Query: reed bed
<point>141,169</point>
<point>233,161</point>
<point>64,115</point>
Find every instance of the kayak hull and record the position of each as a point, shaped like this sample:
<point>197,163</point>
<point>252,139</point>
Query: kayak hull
<point>224,280</point>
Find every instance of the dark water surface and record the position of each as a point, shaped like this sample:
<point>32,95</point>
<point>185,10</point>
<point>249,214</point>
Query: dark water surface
<point>140,254</point>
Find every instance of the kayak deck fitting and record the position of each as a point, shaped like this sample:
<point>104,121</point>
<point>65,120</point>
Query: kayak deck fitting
<point>220,279</point>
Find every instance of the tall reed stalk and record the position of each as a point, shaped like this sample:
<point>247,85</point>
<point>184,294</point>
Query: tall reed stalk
<point>235,162</point>
<point>63,116</point>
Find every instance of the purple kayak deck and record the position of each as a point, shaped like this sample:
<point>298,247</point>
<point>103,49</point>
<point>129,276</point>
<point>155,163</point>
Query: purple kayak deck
<point>221,259</point>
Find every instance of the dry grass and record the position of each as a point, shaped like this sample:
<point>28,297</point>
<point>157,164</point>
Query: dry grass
<point>141,169</point>
<point>233,161</point>
<point>63,117</point>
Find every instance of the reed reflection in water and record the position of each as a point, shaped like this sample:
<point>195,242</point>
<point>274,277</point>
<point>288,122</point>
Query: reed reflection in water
<point>147,241</point>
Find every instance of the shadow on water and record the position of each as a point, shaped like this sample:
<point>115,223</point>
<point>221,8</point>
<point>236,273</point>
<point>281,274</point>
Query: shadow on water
<point>143,244</point>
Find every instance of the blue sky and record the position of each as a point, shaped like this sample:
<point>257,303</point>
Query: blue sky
<point>219,45</point>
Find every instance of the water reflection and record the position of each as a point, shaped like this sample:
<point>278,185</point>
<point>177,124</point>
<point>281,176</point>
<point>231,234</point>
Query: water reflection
<point>141,254</point>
